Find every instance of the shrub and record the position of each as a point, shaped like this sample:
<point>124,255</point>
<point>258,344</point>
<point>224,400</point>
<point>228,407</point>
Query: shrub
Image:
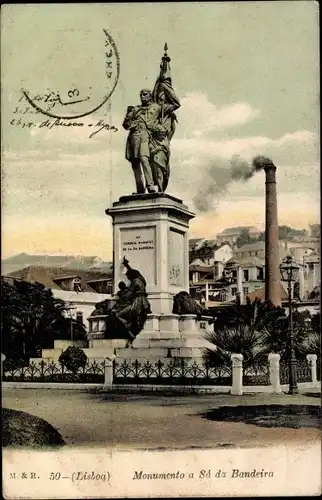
<point>73,359</point>
<point>11,364</point>
<point>240,339</point>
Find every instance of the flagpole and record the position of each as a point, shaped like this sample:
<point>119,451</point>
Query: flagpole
<point>165,59</point>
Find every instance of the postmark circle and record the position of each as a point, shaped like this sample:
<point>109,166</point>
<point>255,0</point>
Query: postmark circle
<point>74,96</point>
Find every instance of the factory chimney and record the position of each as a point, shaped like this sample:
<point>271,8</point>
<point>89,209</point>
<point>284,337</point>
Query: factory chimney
<point>272,260</point>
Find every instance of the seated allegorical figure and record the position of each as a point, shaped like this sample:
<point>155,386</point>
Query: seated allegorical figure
<point>126,319</point>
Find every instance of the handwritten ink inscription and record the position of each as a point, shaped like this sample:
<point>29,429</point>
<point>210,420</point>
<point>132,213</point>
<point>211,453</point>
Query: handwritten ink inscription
<point>51,98</point>
<point>26,117</point>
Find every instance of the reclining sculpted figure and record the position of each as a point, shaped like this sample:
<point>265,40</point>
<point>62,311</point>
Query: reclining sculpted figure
<point>183,303</point>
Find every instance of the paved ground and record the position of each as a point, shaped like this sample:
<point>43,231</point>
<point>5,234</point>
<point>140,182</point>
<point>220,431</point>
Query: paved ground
<point>157,422</point>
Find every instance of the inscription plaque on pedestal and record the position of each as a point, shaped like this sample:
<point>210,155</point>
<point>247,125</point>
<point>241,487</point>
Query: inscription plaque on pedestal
<point>139,247</point>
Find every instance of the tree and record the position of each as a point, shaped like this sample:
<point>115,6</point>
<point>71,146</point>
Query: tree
<point>276,338</point>
<point>65,328</point>
<point>244,238</point>
<point>316,323</point>
<point>30,318</point>
<point>285,233</point>
<point>206,251</point>
<point>257,329</point>
<point>288,233</point>
<point>255,314</point>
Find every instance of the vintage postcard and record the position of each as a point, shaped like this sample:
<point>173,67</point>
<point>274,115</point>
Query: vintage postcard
<point>160,273</point>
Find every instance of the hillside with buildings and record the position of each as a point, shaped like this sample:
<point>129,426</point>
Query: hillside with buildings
<point>233,264</point>
<point>222,269</point>
<point>80,289</point>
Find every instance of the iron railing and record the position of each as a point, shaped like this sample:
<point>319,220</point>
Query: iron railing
<point>303,372</point>
<point>256,375</point>
<point>43,371</point>
<point>173,372</point>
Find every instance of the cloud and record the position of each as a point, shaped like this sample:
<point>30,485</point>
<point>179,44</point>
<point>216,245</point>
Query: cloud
<point>198,116</point>
<point>206,174</point>
<point>251,212</point>
<point>301,136</point>
<point>226,148</point>
<point>246,146</point>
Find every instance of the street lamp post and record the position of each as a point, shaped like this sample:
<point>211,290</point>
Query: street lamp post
<point>71,308</point>
<point>228,276</point>
<point>308,323</point>
<point>289,273</point>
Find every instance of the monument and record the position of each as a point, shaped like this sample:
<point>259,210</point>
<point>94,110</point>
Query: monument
<point>151,126</point>
<point>151,315</point>
<point>150,235</point>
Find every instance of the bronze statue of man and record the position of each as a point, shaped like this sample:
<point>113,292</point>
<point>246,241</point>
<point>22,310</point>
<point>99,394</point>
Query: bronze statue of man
<point>151,127</point>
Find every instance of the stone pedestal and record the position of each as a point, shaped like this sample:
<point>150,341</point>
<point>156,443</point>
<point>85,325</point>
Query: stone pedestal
<point>97,325</point>
<point>150,230</point>
<point>170,336</point>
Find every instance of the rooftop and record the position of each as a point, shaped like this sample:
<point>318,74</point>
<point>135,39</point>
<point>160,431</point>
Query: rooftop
<point>48,276</point>
<point>249,261</point>
<point>258,245</point>
<point>260,294</point>
<point>201,268</point>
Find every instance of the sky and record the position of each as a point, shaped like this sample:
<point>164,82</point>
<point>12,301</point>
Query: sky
<point>247,75</point>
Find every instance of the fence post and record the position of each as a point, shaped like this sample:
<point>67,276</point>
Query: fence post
<point>274,372</point>
<point>108,371</point>
<point>311,359</point>
<point>237,374</point>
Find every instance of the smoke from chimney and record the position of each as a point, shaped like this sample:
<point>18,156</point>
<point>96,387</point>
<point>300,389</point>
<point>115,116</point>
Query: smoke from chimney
<point>220,174</point>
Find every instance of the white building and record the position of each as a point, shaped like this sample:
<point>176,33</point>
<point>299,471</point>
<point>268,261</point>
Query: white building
<point>81,290</point>
<point>312,273</point>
